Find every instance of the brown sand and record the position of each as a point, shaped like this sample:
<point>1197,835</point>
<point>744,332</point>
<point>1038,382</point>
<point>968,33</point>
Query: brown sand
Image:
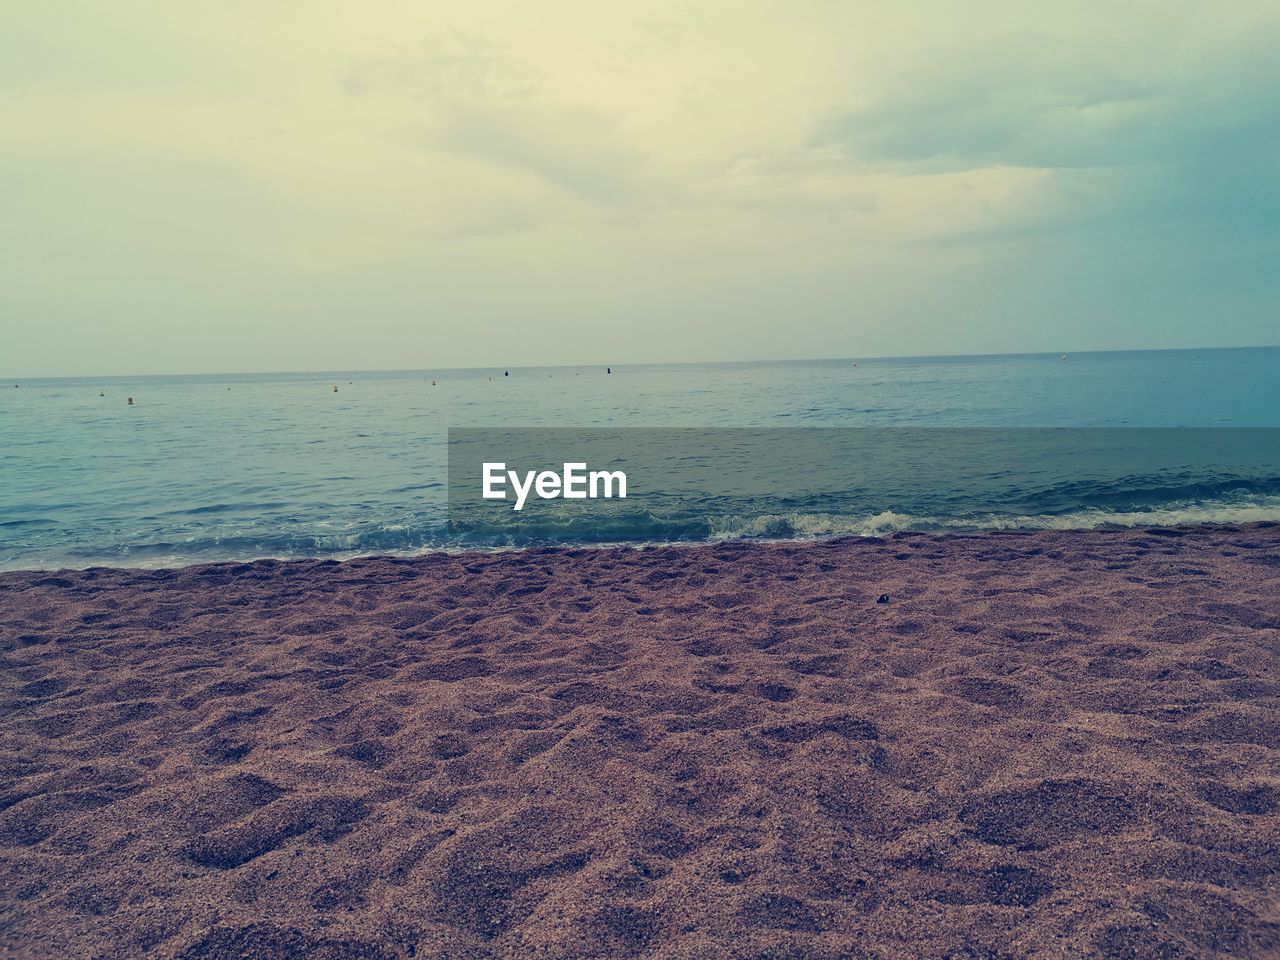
<point>1057,745</point>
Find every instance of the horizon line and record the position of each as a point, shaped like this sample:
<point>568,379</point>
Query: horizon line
<point>648,363</point>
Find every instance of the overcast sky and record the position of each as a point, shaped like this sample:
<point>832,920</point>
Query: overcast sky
<point>292,185</point>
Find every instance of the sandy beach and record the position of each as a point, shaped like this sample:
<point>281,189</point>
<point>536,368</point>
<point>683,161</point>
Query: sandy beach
<point>1042,745</point>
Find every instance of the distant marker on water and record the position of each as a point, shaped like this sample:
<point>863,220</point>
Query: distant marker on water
<point>506,373</point>
<point>335,388</point>
<point>608,369</point>
<point>131,401</point>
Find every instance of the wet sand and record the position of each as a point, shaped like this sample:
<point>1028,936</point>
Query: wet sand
<point>1058,745</point>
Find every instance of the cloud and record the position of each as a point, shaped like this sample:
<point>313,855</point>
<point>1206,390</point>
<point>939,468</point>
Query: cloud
<point>573,147</point>
<point>456,64</point>
<point>1180,151</point>
<point>478,102</point>
<point>1038,103</point>
<point>797,185</point>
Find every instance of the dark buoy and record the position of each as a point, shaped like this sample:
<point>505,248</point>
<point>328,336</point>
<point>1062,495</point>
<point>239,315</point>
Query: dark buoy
<point>335,388</point>
<point>433,383</point>
<point>506,373</point>
<point>608,369</point>
<point>883,598</point>
<point>131,401</point>
<point>102,393</point>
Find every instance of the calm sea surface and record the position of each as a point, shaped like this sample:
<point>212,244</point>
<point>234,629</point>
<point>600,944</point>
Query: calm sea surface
<point>239,466</point>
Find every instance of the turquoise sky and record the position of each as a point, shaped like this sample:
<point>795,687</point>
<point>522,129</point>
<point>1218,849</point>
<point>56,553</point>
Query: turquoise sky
<point>287,185</point>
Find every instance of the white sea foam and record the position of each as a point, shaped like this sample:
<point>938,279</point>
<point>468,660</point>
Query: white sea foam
<point>822,525</point>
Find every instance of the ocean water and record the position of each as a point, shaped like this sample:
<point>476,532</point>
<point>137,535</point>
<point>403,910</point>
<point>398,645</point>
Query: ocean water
<point>205,468</point>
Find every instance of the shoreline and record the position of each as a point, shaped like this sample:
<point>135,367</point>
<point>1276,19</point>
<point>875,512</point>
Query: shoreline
<point>1041,743</point>
<point>817,540</point>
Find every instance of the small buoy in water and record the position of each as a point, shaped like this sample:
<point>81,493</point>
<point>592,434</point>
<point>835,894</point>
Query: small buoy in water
<point>433,383</point>
<point>102,393</point>
<point>1064,356</point>
<point>335,388</point>
<point>883,598</point>
<point>608,369</point>
<point>506,373</point>
<point>131,401</point>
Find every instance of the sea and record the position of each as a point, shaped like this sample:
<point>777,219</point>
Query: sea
<point>243,466</point>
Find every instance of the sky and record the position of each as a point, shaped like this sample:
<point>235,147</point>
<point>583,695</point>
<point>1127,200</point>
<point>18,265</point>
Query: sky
<point>261,185</point>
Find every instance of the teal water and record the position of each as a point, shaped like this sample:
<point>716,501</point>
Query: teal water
<point>232,467</point>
